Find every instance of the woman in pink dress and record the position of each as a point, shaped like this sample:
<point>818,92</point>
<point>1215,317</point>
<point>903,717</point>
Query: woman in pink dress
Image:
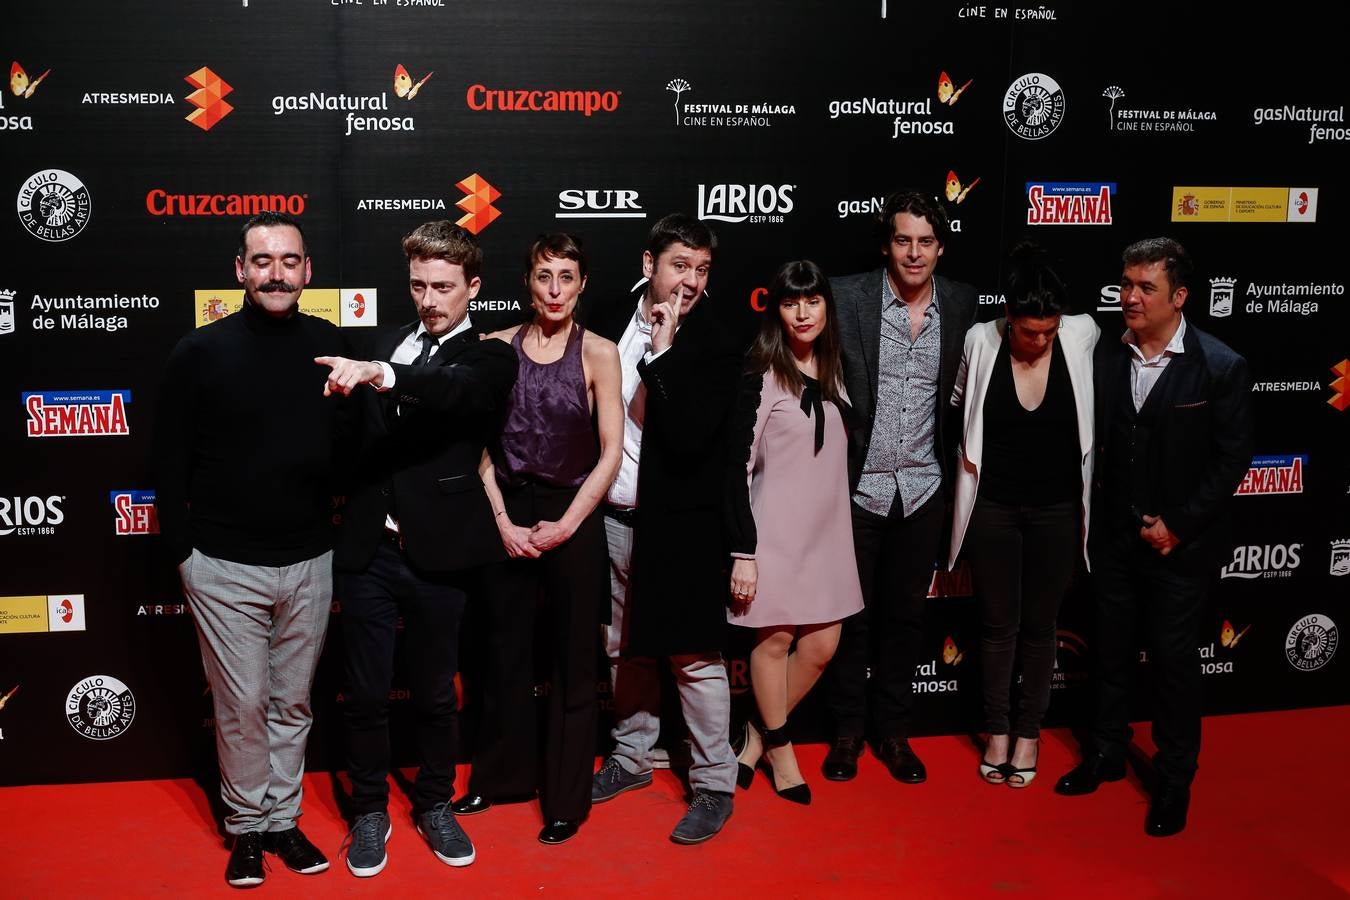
<point>793,577</point>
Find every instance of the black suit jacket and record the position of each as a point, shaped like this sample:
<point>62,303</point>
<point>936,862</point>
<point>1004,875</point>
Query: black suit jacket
<point>679,563</point>
<point>858,300</point>
<point>1200,447</point>
<point>420,447</point>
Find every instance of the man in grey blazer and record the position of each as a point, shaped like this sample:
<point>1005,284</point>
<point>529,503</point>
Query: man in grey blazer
<point>902,329</point>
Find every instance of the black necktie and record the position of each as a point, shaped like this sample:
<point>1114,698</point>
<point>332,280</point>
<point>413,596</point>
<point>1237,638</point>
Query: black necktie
<point>428,347</point>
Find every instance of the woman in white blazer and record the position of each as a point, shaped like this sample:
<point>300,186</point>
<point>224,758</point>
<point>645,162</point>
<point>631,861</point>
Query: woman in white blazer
<point>1023,489</point>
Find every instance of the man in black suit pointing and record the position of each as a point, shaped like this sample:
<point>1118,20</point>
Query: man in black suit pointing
<point>417,523</point>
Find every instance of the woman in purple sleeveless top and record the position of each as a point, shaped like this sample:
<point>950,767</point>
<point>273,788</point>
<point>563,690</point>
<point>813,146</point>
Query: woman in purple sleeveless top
<point>558,452</point>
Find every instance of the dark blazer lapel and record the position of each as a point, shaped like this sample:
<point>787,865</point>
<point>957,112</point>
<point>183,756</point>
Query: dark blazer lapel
<point>952,338</point>
<point>454,346</point>
<point>1112,375</point>
<point>1176,375</point>
<point>868,310</point>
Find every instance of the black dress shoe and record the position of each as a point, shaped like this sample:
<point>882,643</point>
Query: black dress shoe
<point>1089,775</point>
<point>904,764</point>
<point>1167,812</point>
<point>558,831</point>
<point>841,763</point>
<point>296,851</point>
<point>470,804</point>
<point>245,868</point>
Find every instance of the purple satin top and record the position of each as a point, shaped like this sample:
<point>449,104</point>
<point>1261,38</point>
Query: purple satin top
<point>549,435</point>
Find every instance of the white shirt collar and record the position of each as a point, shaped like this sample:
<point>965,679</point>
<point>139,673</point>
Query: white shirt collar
<point>463,326</point>
<point>1174,346</point>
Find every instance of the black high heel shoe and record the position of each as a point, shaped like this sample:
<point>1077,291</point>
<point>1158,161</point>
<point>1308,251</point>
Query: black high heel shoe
<point>774,738</point>
<point>745,774</point>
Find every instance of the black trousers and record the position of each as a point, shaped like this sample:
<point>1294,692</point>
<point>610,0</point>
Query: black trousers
<point>895,557</point>
<point>373,601</point>
<point>560,597</point>
<point>1137,588</point>
<point>1022,560</point>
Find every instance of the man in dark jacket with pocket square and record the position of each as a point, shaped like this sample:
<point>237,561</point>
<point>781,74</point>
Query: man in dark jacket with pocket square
<point>1174,440</point>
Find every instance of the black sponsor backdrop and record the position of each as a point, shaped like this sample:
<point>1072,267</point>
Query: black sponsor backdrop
<point>804,56</point>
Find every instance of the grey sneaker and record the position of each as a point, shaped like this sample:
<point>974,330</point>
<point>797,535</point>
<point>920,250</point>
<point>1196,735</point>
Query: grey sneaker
<point>708,812</point>
<point>448,841</point>
<point>365,844</point>
<point>612,779</point>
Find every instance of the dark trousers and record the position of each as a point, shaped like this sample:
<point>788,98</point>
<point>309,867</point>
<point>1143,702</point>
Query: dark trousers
<point>1134,582</point>
<point>562,594</point>
<point>895,565</point>
<point>1022,560</point>
<point>373,601</point>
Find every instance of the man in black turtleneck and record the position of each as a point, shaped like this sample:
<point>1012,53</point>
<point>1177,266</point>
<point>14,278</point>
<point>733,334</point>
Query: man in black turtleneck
<point>243,456</point>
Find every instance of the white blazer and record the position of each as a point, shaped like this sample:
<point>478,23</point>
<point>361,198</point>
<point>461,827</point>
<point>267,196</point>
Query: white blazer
<point>1077,336</point>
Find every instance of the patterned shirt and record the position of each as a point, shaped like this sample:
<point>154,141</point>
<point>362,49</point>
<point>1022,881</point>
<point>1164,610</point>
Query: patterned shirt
<point>902,458</point>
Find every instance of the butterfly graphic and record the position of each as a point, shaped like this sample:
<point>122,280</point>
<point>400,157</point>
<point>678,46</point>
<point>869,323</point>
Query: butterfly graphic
<point>1228,637</point>
<point>950,655</point>
<point>19,85</point>
<point>403,83</point>
<point>947,91</point>
<point>955,192</point>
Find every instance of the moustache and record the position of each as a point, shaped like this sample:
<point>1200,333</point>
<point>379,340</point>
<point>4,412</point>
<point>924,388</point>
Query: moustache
<point>273,287</point>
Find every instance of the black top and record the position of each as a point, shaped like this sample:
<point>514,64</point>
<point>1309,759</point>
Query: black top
<point>244,440</point>
<point>1031,457</point>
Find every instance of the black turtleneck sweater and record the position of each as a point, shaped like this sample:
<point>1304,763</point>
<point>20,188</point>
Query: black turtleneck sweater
<point>244,440</point>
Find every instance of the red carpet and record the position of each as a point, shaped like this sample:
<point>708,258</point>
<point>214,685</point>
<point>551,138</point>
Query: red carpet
<point>1270,818</point>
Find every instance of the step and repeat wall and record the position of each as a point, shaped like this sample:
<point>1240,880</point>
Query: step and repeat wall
<point>136,137</point>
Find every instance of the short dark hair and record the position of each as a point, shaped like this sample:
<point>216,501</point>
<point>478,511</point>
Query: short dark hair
<point>1031,286</point>
<point>771,352</point>
<point>269,219</point>
<point>1176,261</point>
<point>917,204</point>
<point>445,240</point>
<point>558,245</point>
<point>678,228</point>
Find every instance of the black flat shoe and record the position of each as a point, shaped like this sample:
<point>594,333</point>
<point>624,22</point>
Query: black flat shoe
<point>245,868</point>
<point>470,804</point>
<point>841,763</point>
<point>901,760</point>
<point>1088,776</point>
<point>558,831</point>
<point>1167,812</point>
